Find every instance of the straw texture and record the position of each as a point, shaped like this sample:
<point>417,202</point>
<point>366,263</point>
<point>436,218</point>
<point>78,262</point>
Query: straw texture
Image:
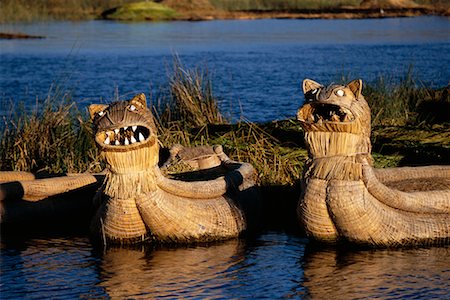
<point>6,176</point>
<point>344,198</point>
<point>138,202</point>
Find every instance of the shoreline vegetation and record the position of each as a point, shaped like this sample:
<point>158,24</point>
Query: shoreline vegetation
<point>198,10</point>
<point>410,127</point>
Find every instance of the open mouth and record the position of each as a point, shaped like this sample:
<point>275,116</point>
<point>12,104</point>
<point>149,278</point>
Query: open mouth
<point>124,136</point>
<point>324,112</point>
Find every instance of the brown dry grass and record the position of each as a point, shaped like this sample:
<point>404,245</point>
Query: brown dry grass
<point>57,138</point>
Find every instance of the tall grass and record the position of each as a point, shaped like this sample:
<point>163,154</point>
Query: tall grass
<point>406,102</point>
<point>56,137</point>
<point>192,98</point>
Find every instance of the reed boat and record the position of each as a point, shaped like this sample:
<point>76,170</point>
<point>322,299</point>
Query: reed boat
<point>344,198</point>
<point>199,194</point>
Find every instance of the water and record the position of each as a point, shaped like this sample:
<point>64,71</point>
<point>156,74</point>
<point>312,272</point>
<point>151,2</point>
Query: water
<point>256,66</point>
<point>274,265</point>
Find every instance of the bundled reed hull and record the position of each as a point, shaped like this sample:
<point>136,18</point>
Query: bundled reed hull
<point>25,199</point>
<point>344,198</point>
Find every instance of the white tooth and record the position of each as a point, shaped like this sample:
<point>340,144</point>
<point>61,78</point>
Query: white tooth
<point>141,137</point>
<point>133,140</point>
<point>125,128</point>
<point>116,131</point>
<point>134,128</point>
<point>126,142</point>
<point>117,143</point>
<point>335,118</point>
<point>107,141</point>
<point>108,133</point>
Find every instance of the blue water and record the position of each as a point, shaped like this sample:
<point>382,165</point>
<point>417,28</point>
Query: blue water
<point>274,265</point>
<point>256,66</point>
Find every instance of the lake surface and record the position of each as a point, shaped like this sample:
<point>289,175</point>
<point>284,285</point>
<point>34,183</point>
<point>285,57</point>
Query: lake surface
<point>257,68</point>
<point>273,265</point>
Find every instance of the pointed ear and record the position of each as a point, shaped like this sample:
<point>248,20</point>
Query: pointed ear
<point>95,109</point>
<point>356,87</point>
<point>309,85</point>
<point>140,100</point>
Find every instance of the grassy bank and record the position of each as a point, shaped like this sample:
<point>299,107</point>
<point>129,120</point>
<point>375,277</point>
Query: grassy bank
<point>284,5</point>
<point>132,10</point>
<point>57,137</point>
<point>44,10</point>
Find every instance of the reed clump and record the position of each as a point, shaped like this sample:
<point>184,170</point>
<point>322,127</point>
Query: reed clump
<point>191,97</point>
<point>406,102</point>
<point>56,137</point>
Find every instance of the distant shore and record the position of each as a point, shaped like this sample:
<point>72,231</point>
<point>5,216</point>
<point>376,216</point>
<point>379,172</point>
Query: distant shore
<point>335,13</point>
<point>201,10</point>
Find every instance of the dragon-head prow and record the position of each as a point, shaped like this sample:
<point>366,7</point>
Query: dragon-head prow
<point>336,108</point>
<point>125,133</point>
<point>336,121</point>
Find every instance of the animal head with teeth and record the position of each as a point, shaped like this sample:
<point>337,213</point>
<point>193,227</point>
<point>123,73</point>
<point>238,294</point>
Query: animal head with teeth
<point>124,130</point>
<point>336,119</point>
<point>340,108</point>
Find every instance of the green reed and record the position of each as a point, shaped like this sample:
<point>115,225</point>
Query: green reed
<point>406,102</point>
<point>56,137</point>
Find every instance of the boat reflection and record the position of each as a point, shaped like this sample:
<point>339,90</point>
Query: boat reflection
<point>379,273</point>
<point>170,272</point>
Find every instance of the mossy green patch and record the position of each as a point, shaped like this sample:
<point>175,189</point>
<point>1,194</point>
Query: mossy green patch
<point>141,11</point>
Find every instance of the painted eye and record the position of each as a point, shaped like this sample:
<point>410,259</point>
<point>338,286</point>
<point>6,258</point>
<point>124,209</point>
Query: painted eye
<point>101,113</point>
<point>132,107</point>
<point>340,93</point>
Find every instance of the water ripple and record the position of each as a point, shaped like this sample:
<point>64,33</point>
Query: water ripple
<point>273,265</point>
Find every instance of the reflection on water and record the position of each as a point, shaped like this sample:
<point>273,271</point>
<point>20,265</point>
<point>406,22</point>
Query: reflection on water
<point>232,269</point>
<point>272,265</point>
<point>399,274</point>
<point>200,271</point>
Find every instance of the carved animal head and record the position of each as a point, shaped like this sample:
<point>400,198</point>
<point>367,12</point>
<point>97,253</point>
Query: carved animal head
<point>340,108</point>
<point>125,132</point>
<point>336,119</point>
